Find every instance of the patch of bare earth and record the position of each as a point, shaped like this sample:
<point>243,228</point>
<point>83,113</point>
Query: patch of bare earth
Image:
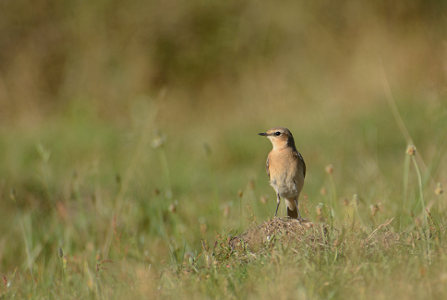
<point>280,229</point>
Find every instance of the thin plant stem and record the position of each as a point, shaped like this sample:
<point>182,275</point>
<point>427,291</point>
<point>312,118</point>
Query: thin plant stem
<point>29,258</point>
<point>405,187</point>
<point>424,212</point>
<point>421,193</point>
<point>165,165</point>
<point>399,120</point>
<point>127,178</point>
<point>333,199</point>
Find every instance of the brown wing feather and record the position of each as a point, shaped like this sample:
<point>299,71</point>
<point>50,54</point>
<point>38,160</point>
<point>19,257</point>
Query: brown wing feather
<point>301,159</point>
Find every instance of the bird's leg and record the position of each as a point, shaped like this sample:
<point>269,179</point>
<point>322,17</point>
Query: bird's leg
<point>278,199</point>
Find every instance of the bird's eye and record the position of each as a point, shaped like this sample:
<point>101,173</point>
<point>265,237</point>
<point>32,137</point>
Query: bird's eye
<point>277,133</point>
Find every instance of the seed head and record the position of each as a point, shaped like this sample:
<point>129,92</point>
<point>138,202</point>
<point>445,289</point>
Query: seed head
<point>203,228</point>
<point>12,194</point>
<point>263,199</point>
<point>438,189</point>
<point>226,211</point>
<point>319,209</point>
<point>251,184</point>
<point>330,169</point>
<point>158,140</point>
<point>173,207</point>
<point>323,191</point>
<point>374,209</point>
<point>411,150</point>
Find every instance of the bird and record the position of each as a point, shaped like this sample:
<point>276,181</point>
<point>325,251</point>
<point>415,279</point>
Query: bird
<point>286,169</point>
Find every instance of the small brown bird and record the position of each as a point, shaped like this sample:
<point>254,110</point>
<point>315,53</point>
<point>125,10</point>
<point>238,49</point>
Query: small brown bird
<point>286,169</point>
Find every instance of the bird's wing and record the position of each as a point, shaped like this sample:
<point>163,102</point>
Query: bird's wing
<point>267,167</point>
<point>301,161</point>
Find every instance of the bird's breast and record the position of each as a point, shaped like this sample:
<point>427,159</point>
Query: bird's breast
<point>283,167</point>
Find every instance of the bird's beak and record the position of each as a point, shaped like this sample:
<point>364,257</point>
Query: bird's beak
<point>263,133</point>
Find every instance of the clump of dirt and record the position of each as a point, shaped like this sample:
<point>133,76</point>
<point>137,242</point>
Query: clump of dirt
<point>282,229</point>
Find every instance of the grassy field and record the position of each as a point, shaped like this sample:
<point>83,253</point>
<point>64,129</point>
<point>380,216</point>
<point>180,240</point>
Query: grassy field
<point>92,210</point>
<point>129,151</point>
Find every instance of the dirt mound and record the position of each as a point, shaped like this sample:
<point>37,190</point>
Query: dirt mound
<point>279,229</point>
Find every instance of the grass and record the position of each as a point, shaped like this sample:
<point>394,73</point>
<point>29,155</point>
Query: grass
<point>112,212</point>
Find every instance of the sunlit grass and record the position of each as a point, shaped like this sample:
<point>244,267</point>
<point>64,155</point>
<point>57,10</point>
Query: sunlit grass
<point>93,210</point>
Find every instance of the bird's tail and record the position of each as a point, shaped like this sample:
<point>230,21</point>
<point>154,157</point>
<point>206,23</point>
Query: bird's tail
<point>292,213</point>
<point>292,208</point>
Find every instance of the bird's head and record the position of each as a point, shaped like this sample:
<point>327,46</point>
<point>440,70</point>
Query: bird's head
<point>280,137</point>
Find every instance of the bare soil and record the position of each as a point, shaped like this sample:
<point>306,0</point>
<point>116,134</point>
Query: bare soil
<point>279,229</point>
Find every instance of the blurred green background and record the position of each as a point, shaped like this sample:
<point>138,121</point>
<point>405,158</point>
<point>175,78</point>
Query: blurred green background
<point>128,129</point>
